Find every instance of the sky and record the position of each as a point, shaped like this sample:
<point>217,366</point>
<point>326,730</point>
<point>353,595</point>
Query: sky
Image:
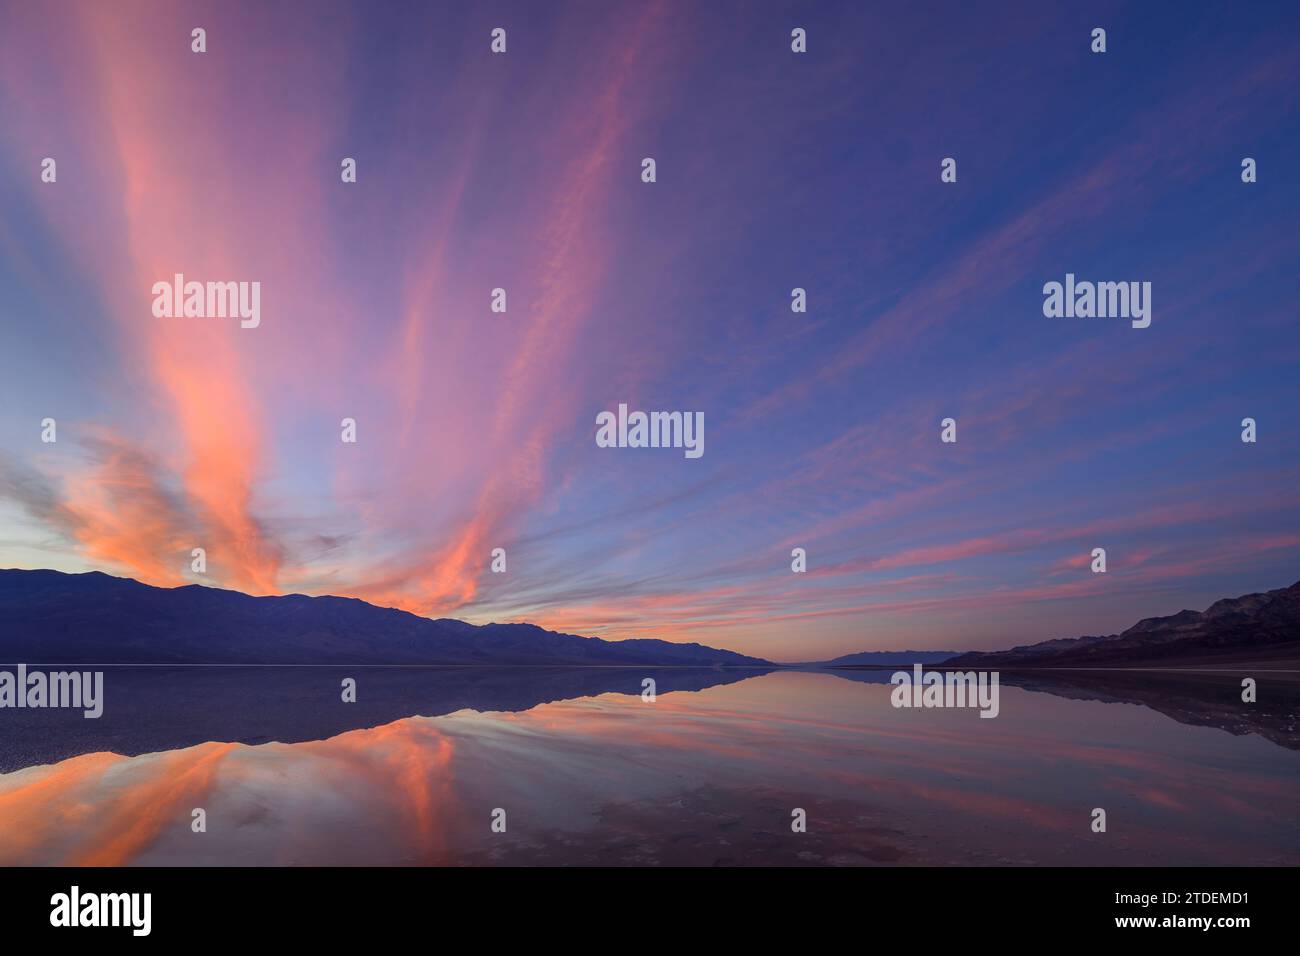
<point>775,170</point>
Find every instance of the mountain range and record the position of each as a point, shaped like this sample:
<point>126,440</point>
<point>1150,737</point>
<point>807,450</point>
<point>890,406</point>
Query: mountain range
<point>888,658</point>
<point>49,617</point>
<point>1252,628</point>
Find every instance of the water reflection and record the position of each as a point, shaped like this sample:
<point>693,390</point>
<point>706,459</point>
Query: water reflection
<point>166,708</point>
<point>1201,698</point>
<point>701,776</point>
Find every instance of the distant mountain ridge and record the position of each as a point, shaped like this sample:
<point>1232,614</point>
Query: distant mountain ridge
<point>49,617</point>
<point>1263,625</point>
<point>889,658</point>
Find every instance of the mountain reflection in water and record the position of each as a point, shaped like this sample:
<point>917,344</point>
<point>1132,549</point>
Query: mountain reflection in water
<point>710,772</point>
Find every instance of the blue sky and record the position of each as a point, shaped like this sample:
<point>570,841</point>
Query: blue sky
<point>775,170</point>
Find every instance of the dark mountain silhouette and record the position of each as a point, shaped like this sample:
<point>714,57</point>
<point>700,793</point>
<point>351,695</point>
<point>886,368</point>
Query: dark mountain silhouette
<point>48,617</point>
<point>1255,628</point>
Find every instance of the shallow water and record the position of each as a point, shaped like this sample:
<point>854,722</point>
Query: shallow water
<point>710,772</point>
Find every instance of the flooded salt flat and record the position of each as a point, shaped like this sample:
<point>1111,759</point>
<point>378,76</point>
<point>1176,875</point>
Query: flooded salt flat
<point>710,773</point>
